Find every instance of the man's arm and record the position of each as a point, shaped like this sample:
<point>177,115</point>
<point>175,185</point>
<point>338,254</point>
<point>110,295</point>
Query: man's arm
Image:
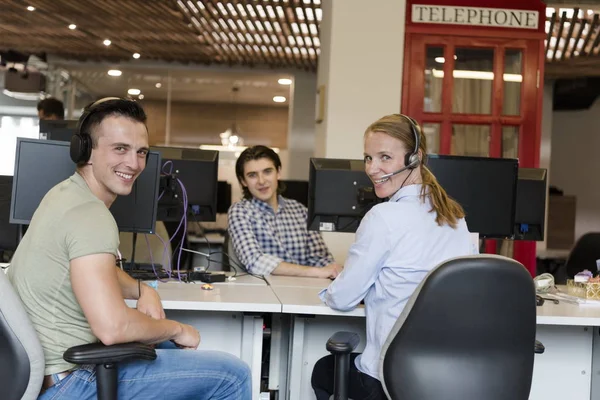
<point>96,285</point>
<point>330,271</point>
<point>148,299</point>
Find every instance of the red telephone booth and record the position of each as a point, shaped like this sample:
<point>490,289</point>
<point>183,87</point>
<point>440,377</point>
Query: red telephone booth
<point>473,79</point>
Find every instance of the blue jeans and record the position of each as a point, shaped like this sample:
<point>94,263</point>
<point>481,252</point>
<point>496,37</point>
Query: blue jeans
<point>175,375</point>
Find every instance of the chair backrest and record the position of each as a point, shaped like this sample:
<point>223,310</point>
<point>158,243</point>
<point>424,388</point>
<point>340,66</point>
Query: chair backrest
<point>21,356</point>
<point>467,332</point>
<point>584,254</point>
<point>232,259</point>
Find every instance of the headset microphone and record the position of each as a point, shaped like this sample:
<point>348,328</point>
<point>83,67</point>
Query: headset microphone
<point>409,166</point>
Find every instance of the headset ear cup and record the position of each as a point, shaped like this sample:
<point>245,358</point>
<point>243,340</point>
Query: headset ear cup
<point>81,148</point>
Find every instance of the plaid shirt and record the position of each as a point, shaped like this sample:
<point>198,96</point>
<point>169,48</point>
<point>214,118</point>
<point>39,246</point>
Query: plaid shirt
<point>262,238</point>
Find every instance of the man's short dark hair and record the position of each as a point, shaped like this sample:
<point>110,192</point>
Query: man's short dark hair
<point>52,106</point>
<point>96,112</point>
<point>256,153</point>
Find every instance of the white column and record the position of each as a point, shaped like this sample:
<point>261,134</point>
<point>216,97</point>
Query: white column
<point>360,71</point>
<point>546,147</point>
<point>301,125</point>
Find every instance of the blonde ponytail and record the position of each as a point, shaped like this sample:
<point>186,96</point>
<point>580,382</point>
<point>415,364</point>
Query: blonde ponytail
<point>448,210</point>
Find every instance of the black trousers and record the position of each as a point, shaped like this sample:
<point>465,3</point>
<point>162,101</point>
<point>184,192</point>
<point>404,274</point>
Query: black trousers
<point>360,386</point>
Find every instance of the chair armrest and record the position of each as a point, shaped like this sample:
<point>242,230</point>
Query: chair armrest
<point>342,342</point>
<point>97,353</point>
<point>539,347</point>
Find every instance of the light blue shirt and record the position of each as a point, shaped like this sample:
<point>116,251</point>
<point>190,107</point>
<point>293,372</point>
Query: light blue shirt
<point>397,244</point>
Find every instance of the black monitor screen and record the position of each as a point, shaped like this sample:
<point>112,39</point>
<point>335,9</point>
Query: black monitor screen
<point>484,187</point>
<point>57,129</point>
<point>531,204</point>
<point>197,171</point>
<point>41,164</point>
<point>9,235</point>
<point>339,194</point>
<point>297,190</point>
<point>223,197</point>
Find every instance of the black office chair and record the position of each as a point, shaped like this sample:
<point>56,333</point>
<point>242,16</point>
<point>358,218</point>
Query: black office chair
<point>584,254</point>
<point>22,358</point>
<point>467,332</point>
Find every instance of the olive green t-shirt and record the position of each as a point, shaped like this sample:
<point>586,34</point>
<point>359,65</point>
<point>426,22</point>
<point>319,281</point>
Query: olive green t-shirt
<point>70,222</point>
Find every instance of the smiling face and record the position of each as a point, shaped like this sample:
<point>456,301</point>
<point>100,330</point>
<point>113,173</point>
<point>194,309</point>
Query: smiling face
<point>260,177</point>
<point>385,154</point>
<point>118,158</point>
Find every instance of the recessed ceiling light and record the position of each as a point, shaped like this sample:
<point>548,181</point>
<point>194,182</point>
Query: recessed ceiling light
<point>284,81</point>
<point>72,26</point>
<point>114,72</point>
<point>134,92</point>
<point>141,97</point>
<point>107,42</point>
<point>30,8</point>
<point>136,55</point>
<point>158,85</point>
<point>279,99</point>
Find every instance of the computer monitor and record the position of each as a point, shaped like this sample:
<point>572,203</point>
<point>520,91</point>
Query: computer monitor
<point>9,233</point>
<point>531,204</point>
<point>485,187</point>
<point>223,197</point>
<point>57,129</point>
<point>41,164</point>
<point>339,194</point>
<point>297,190</point>
<point>197,170</point>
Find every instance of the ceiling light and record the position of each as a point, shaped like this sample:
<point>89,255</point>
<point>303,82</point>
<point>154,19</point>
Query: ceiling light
<point>134,92</point>
<point>114,72</point>
<point>107,42</point>
<point>141,97</point>
<point>136,55</point>
<point>279,99</point>
<point>158,85</point>
<point>31,8</point>
<point>284,81</point>
<point>72,26</point>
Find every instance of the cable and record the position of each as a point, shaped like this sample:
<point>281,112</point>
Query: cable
<point>235,265</point>
<point>544,283</point>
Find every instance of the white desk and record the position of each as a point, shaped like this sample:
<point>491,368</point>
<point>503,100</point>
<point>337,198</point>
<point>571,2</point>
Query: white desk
<point>225,316</point>
<point>569,368</point>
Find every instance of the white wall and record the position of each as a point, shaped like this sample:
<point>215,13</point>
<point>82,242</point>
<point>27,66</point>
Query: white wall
<point>575,163</point>
<point>360,69</point>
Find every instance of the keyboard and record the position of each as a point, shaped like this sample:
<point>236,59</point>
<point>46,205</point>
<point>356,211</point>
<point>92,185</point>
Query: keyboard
<point>145,272</point>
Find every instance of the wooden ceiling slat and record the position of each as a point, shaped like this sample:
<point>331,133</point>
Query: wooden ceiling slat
<point>573,22</point>
<point>250,10</point>
<point>166,30</point>
<point>550,30</point>
<point>260,54</point>
<point>582,25</point>
<point>561,26</point>
<point>283,39</point>
<point>216,11</point>
<point>593,27</point>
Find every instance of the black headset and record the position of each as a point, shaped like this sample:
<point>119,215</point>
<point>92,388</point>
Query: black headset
<point>81,141</point>
<point>411,160</point>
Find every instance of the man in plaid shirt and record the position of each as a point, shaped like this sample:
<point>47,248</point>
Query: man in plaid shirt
<point>269,232</point>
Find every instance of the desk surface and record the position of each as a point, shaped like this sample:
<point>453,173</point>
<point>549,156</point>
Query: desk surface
<point>295,281</point>
<point>568,314</point>
<point>226,296</point>
<point>305,300</point>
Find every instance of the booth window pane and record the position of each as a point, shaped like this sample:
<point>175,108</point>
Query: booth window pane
<point>470,140</point>
<point>434,60</point>
<point>432,136</point>
<point>473,81</point>
<point>510,141</point>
